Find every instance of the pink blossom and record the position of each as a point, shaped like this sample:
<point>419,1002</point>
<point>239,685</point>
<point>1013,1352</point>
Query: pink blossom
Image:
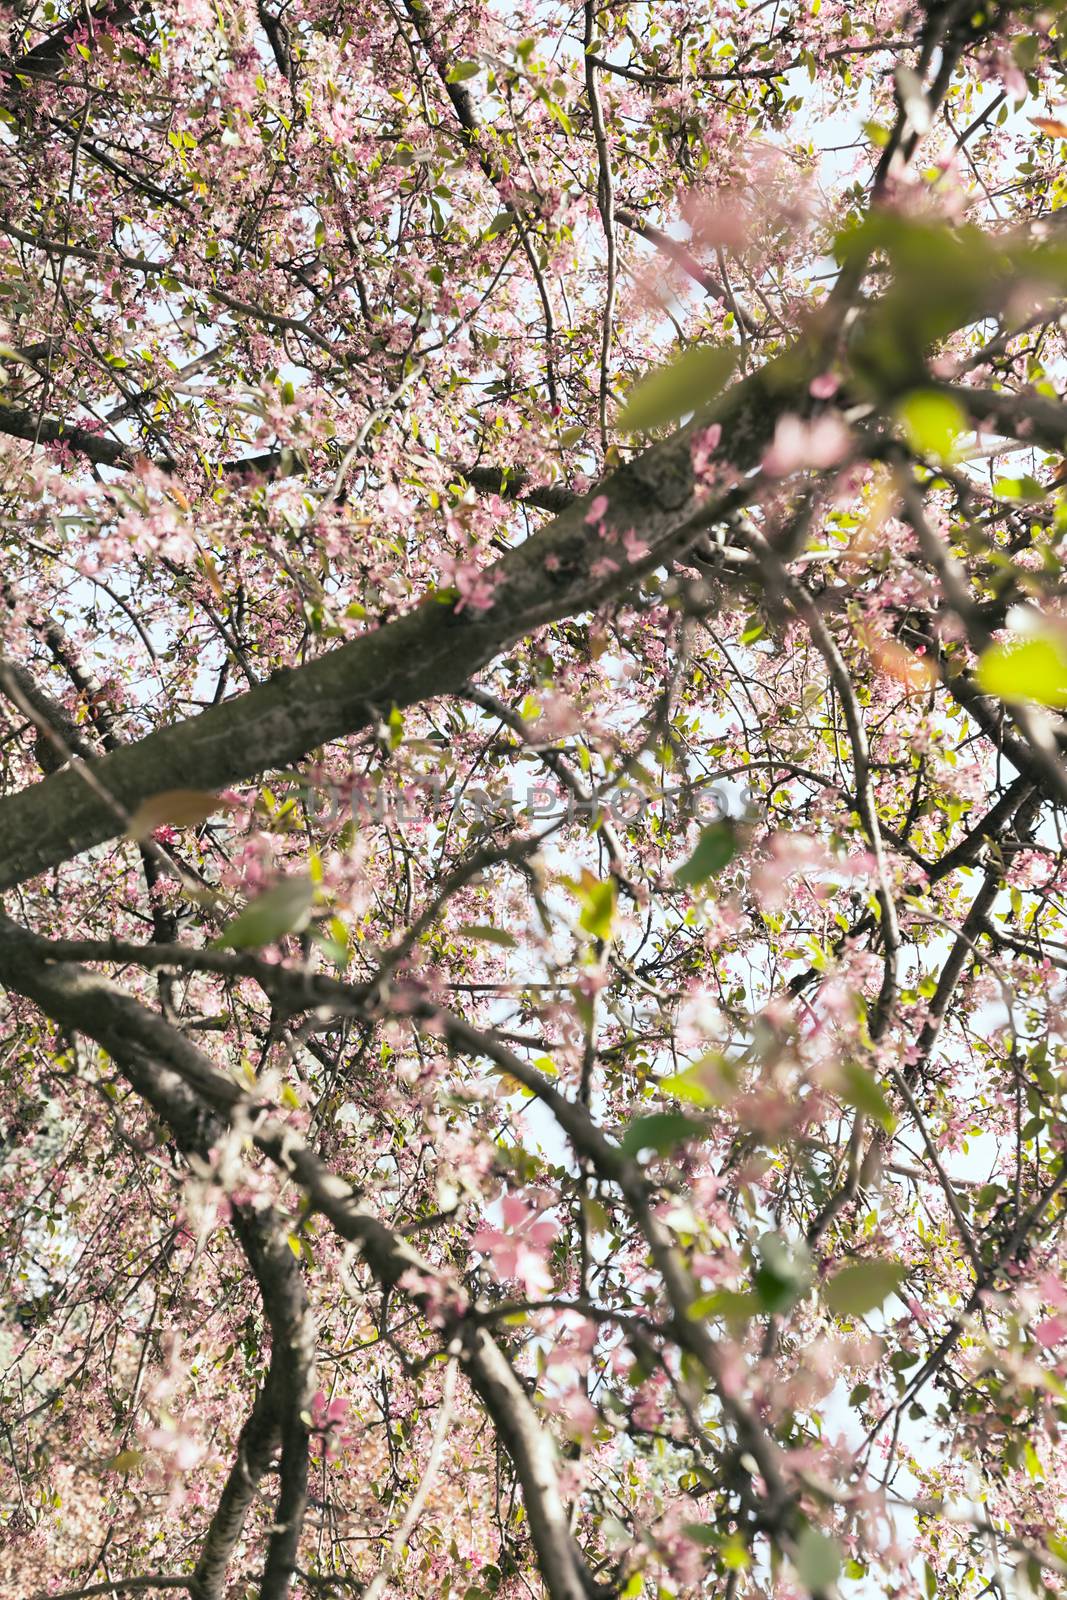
<point>521,1251</point>
<point>704,445</point>
<point>181,1450</point>
<point>798,444</point>
<point>824,387</point>
<point>328,1413</point>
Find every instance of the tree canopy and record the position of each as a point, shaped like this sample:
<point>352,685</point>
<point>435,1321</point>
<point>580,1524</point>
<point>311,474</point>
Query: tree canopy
<point>533,673</point>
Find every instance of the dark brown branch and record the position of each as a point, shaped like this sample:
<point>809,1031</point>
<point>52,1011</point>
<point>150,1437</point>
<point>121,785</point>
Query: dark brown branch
<point>48,57</point>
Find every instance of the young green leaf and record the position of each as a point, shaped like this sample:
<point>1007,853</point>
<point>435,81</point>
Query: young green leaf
<point>711,1081</point>
<point>661,1131</point>
<point>487,935</point>
<point>715,849</point>
<point>1032,668</point>
<point>817,1559</point>
<point>279,911</point>
<point>862,1287</point>
<point>597,915</point>
<point>687,384</point>
<point>861,1089</point>
<point>932,423</point>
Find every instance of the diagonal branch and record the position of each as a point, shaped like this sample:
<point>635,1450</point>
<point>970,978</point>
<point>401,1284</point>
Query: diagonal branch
<point>562,570</point>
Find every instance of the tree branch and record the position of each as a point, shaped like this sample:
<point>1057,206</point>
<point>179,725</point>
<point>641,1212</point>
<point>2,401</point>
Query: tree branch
<point>431,651</point>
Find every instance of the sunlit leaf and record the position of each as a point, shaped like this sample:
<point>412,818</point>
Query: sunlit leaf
<point>734,1306</point>
<point>932,423</point>
<point>711,1081</point>
<point>1026,669</point>
<point>687,384</point>
<point>1024,488</point>
<point>734,1555</point>
<point>336,950</point>
<point>279,911</point>
<point>862,1286</point>
<point>598,897</point>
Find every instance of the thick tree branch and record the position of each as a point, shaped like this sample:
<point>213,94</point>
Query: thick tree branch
<point>431,651</point>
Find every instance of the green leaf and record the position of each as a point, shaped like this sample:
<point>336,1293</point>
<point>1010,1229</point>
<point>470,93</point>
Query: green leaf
<point>817,1559</point>
<point>705,1533</point>
<point>598,906</point>
<point>711,1081</point>
<point>943,278</point>
<point>335,950</point>
<point>687,384</point>
<point>1024,488</point>
<point>487,935</point>
<point>1033,668</point>
<point>284,909</point>
<point>932,423</point>
<point>861,1089</point>
<point>686,1085</point>
<point>661,1131</point>
<point>715,849</point>
<point>862,1286</point>
<point>783,1274</point>
<point>735,1557</point>
<point>462,71</point>
<point>733,1306</point>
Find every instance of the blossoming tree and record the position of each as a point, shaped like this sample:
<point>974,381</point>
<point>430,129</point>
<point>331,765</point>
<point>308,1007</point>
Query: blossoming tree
<point>532,799</point>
